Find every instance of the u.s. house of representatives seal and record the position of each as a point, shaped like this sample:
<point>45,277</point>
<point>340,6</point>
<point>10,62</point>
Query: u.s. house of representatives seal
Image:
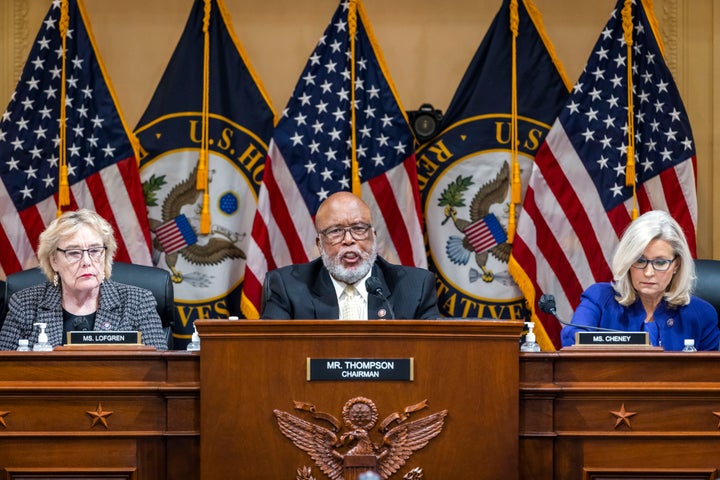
<point>207,269</point>
<point>465,181</point>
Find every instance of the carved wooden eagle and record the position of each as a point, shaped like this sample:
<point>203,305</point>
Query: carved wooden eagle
<point>322,444</point>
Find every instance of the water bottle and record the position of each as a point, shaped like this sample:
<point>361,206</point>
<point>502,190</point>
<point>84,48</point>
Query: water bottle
<point>689,345</point>
<point>23,345</point>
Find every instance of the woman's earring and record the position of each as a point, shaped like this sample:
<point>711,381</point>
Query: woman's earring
<point>56,279</point>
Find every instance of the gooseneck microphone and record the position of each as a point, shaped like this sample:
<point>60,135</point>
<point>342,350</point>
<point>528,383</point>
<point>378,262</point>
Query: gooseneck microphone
<point>374,287</point>
<point>547,305</point>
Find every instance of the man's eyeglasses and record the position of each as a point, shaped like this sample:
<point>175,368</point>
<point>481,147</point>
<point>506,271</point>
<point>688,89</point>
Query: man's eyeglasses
<point>358,231</point>
<point>74,255</point>
<point>659,264</point>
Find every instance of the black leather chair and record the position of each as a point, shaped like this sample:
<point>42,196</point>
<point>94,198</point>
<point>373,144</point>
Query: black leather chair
<point>265,295</point>
<point>707,285</point>
<point>2,301</point>
<point>154,279</point>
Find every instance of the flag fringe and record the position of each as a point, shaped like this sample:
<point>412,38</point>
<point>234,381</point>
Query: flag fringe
<point>537,20</point>
<point>528,290</point>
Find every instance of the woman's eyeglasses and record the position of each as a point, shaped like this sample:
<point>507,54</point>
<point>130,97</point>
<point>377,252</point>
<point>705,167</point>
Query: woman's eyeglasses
<point>74,255</point>
<point>659,264</point>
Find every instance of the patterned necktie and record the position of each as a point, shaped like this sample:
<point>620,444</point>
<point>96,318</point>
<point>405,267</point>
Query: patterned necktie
<point>351,304</point>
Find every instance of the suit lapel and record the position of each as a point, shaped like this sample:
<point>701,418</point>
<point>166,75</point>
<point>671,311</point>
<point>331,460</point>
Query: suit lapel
<point>324,298</point>
<point>325,301</point>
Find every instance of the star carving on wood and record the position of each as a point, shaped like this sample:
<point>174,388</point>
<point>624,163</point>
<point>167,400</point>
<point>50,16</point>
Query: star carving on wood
<point>717,414</point>
<point>99,415</point>
<point>622,416</point>
<point>2,419</point>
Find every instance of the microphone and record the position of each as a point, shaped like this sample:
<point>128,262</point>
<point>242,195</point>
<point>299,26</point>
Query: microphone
<point>81,325</point>
<point>374,287</point>
<point>547,305</point>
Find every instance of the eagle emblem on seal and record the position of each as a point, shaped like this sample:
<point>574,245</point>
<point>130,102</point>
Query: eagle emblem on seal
<point>460,249</point>
<point>222,243</point>
<point>333,449</point>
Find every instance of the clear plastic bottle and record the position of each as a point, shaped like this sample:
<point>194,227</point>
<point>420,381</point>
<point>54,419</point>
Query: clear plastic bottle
<point>23,345</point>
<point>689,345</point>
<point>194,344</point>
<point>42,345</point>
<point>530,345</point>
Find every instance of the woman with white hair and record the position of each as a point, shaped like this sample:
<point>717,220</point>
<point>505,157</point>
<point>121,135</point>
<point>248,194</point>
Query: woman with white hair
<point>653,274</point>
<point>76,254</point>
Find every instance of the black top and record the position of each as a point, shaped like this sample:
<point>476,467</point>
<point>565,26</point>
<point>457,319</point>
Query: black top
<point>77,323</point>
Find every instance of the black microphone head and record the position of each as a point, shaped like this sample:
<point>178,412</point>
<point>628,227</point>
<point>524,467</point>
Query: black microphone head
<point>81,324</point>
<point>373,286</point>
<point>547,303</point>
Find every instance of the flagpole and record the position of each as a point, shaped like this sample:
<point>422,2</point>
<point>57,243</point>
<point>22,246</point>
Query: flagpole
<point>64,184</point>
<point>627,24</point>
<point>352,28</point>
<point>202,171</point>
<point>515,166</point>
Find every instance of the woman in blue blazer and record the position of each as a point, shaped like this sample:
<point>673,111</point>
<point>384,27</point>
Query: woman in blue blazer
<point>653,273</point>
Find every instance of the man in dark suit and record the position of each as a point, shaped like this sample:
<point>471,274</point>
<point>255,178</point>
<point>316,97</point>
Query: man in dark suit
<point>335,286</point>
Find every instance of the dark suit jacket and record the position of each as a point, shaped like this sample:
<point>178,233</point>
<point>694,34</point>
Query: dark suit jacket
<point>305,291</point>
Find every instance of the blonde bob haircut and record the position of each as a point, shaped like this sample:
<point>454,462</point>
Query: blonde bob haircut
<point>653,225</point>
<point>68,224</point>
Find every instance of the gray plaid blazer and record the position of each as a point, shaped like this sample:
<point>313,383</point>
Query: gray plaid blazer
<point>121,307</point>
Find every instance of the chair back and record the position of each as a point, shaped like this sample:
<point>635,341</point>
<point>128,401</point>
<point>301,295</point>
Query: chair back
<point>2,301</point>
<point>708,279</point>
<point>264,296</point>
<point>154,279</point>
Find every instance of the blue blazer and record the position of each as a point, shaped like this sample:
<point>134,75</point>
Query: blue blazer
<point>671,326</point>
<point>305,291</point>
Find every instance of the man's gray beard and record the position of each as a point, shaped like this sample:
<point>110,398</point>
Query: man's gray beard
<point>349,275</point>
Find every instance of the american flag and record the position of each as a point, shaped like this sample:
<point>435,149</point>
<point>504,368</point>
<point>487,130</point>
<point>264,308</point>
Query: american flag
<point>485,233</point>
<point>510,94</point>
<point>578,204</point>
<point>175,234</point>
<point>340,91</point>
<point>101,162</point>
<point>208,101</point>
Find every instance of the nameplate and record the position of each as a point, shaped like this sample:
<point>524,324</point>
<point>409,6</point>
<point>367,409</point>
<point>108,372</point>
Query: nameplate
<point>103,338</point>
<point>612,338</point>
<point>349,369</point>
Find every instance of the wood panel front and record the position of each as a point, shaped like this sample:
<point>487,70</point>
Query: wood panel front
<point>250,368</point>
<point>595,414</point>
<point>99,414</point>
